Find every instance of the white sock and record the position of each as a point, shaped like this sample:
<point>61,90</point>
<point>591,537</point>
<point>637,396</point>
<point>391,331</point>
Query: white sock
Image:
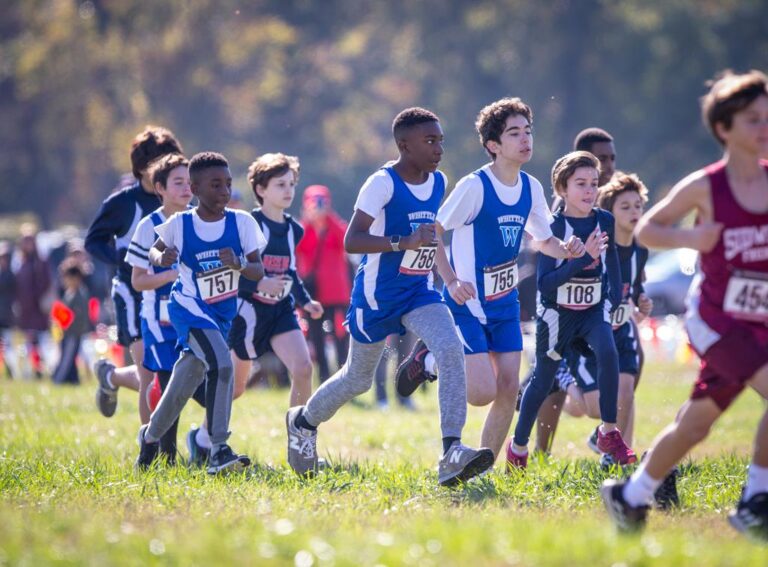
<point>757,481</point>
<point>202,438</point>
<point>640,488</point>
<point>430,364</point>
<point>519,452</point>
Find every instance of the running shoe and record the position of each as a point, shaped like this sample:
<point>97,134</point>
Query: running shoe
<point>411,373</point>
<point>461,463</point>
<point>627,518</point>
<point>106,395</point>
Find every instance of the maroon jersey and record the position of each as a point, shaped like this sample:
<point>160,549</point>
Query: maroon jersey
<point>733,287</point>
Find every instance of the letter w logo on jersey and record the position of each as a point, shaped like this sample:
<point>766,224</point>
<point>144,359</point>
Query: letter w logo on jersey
<point>415,226</point>
<point>509,234</point>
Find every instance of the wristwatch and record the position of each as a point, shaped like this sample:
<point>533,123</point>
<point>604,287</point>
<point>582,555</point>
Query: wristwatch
<point>394,242</point>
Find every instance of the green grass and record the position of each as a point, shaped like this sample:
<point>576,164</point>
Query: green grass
<point>70,494</point>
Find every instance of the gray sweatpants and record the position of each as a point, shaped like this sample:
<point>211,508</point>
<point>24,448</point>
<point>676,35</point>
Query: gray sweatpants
<point>208,360</point>
<point>434,325</point>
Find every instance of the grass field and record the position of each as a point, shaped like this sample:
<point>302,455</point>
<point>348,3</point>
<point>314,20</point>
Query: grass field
<point>70,494</point>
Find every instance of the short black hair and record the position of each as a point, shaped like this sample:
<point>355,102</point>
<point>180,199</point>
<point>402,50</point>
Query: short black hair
<point>205,160</point>
<point>586,138</point>
<point>410,117</point>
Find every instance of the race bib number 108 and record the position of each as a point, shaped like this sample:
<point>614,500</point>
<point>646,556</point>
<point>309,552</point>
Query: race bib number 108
<point>580,293</point>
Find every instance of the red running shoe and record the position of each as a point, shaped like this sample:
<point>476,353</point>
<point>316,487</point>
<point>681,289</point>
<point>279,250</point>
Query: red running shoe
<point>612,444</point>
<point>515,461</point>
<point>411,373</point>
<point>154,394</point>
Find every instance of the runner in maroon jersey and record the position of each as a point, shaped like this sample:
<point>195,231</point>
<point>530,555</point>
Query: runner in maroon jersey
<point>727,317</point>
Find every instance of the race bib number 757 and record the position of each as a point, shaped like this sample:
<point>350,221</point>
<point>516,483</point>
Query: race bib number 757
<point>217,285</point>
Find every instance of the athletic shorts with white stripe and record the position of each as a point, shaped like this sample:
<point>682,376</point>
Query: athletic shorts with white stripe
<point>495,336</point>
<point>127,303</point>
<point>583,363</point>
<point>255,325</point>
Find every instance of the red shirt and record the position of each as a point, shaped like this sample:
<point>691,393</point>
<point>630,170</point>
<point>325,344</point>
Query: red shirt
<point>732,271</point>
<point>330,265</point>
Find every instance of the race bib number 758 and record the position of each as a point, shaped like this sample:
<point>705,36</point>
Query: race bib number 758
<point>419,262</point>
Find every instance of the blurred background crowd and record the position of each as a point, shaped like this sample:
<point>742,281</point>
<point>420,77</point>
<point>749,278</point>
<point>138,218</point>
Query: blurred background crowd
<point>322,80</point>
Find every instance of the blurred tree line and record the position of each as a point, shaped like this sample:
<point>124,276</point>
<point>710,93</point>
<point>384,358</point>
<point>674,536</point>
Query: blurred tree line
<point>323,80</point>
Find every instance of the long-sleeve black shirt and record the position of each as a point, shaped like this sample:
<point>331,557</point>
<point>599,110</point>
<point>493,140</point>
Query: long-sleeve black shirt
<point>111,231</point>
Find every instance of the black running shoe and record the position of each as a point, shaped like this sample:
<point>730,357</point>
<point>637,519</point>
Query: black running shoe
<point>666,496</point>
<point>147,451</point>
<point>198,455</point>
<point>226,460</point>
<point>751,516</point>
<point>627,518</point>
<point>411,373</point>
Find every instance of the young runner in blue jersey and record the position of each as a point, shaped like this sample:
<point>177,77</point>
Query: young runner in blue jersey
<point>577,297</point>
<point>170,177</point>
<point>488,211</point>
<point>600,144</point>
<point>266,318</point>
<point>393,225</point>
<point>213,247</point>
<point>107,240</point>
<point>624,196</point>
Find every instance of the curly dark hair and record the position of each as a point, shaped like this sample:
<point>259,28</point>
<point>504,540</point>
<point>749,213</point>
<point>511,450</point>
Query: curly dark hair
<point>152,143</point>
<point>491,120</point>
<point>620,183</point>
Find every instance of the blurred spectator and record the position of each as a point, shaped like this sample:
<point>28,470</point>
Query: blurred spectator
<point>7,297</point>
<point>71,314</point>
<point>322,264</point>
<point>33,280</point>
<point>236,200</point>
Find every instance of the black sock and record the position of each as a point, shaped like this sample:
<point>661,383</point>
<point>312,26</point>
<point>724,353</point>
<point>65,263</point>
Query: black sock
<point>447,442</point>
<point>302,422</point>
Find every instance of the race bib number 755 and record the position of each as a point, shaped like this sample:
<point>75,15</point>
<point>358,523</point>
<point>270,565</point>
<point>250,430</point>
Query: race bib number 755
<point>500,280</point>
